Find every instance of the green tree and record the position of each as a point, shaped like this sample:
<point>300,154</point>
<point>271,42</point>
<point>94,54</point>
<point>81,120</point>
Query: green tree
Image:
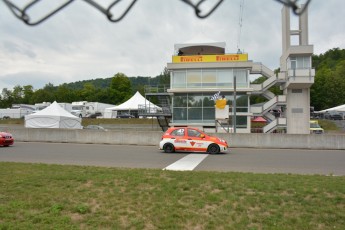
<point>327,90</point>
<point>42,95</point>
<point>18,94</point>
<point>7,99</point>
<point>329,59</point>
<point>122,87</point>
<point>88,93</point>
<point>107,96</point>
<point>64,94</point>
<point>28,93</point>
<point>164,78</point>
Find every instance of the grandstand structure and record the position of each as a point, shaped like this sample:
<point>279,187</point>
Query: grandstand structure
<point>198,70</point>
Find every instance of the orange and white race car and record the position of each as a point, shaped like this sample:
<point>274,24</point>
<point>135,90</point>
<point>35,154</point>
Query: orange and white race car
<point>191,140</point>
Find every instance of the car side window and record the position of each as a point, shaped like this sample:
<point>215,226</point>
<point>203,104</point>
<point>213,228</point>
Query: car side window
<point>193,133</point>
<point>178,132</point>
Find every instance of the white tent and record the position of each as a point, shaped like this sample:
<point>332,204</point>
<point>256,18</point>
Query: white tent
<point>54,116</point>
<point>131,104</point>
<point>337,108</point>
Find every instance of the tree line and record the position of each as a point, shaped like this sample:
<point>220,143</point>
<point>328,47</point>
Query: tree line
<point>114,90</point>
<point>327,91</point>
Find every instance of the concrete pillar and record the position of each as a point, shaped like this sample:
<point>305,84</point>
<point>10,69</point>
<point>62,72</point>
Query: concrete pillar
<point>303,27</point>
<point>297,93</point>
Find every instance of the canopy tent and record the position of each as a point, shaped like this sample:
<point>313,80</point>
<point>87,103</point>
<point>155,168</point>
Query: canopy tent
<point>132,104</point>
<point>340,108</point>
<point>54,116</point>
<point>259,120</point>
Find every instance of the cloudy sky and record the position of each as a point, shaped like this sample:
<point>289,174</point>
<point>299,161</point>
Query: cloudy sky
<point>80,43</point>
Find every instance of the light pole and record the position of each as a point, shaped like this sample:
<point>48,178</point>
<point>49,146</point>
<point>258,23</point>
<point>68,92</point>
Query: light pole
<point>234,106</point>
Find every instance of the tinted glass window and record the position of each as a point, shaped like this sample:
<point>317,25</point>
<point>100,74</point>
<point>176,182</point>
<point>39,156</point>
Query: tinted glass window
<point>178,132</point>
<point>193,133</point>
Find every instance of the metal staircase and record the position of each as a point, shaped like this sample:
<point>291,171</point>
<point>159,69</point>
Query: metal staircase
<point>163,114</point>
<point>164,103</point>
<point>273,100</point>
<point>272,79</point>
<point>163,122</point>
<point>264,110</point>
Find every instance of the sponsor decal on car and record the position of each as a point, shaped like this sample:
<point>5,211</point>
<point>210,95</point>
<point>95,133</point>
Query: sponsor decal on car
<point>180,141</point>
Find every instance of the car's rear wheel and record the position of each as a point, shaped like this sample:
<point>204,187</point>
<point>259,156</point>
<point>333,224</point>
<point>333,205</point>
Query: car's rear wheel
<point>213,149</point>
<point>169,148</point>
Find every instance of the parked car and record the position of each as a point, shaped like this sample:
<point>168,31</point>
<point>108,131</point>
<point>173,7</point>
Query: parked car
<point>125,115</point>
<point>6,139</point>
<point>95,127</point>
<point>191,140</point>
<point>336,117</point>
<point>315,128</point>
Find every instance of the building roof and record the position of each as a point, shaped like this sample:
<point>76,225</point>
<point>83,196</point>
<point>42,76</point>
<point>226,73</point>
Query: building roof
<point>200,48</point>
<point>200,44</point>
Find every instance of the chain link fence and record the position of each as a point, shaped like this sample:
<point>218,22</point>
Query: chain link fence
<point>202,8</point>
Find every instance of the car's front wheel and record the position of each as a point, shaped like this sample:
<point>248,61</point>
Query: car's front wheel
<point>213,149</point>
<point>169,148</point>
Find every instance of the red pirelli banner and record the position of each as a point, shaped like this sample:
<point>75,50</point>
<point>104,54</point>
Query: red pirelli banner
<point>210,58</point>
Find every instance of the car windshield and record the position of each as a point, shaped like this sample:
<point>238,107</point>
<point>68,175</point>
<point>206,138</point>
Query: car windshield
<point>314,125</point>
<point>77,107</point>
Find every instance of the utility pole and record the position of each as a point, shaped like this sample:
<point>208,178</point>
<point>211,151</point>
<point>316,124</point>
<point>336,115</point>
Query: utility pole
<point>234,106</point>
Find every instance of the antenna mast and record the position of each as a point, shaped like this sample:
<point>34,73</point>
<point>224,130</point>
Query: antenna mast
<point>240,26</point>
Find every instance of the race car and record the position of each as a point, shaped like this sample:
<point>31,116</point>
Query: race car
<point>6,139</point>
<point>191,140</point>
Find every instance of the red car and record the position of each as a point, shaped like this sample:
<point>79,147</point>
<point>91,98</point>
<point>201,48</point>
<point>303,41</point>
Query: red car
<point>191,140</point>
<point>6,139</point>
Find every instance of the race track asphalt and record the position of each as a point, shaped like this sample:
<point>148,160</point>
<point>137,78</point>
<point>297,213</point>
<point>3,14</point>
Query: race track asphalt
<point>294,161</point>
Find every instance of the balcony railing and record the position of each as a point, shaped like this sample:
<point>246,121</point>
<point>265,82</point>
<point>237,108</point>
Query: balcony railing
<point>301,73</point>
<point>156,89</point>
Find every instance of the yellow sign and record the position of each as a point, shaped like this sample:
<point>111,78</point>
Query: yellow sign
<point>210,58</point>
<point>220,103</point>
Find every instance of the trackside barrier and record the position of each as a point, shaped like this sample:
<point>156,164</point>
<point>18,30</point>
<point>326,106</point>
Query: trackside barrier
<point>132,137</point>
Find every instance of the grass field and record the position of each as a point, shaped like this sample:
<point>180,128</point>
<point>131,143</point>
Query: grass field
<point>328,125</point>
<point>40,196</point>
